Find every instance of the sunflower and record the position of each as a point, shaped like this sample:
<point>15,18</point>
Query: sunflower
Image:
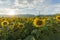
<point>0,19</point>
<point>11,25</point>
<point>19,19</point>
<point>58,18</point>
<point>4,23</point>
<point>31,19</point>
<point>0,30</point>
<point>38,22</point>
<point>28,19</point>
<point>45,17</point>
<point>3,19</point>
<point>11,19</point>
<point>20,25</point>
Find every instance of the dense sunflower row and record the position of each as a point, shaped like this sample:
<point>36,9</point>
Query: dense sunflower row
<point>36,21</point>
<point>24,26</point>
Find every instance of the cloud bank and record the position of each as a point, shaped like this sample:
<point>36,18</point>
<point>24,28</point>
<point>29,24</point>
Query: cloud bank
<point>35,7</point>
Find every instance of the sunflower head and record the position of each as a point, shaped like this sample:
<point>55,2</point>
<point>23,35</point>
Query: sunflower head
<point>20,25</point>
<point>38,22</point>
<point>11,25</point>
<point>4,23</point>
<point>3,19</point>
<point>58,18</point>
<point>11,19</point>
<point>0,30</point>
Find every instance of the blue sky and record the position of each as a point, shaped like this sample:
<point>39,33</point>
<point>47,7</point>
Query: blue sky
<point>36,7</point>
<point>55,1</point>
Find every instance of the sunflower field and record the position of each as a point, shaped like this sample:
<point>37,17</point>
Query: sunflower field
<point>30,28</point>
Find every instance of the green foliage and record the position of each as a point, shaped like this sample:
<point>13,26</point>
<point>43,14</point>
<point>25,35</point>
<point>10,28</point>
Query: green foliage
<point>50,31</point>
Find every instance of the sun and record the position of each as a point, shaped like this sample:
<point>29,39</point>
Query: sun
<point>11,12</point>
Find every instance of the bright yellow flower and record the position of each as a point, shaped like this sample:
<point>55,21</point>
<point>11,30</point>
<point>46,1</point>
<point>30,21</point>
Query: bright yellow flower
<point>20,25</point>
<point>58,18</point>
<point>31,19</point>
<point>0,30</point>
<point>11,19</point>
<point>4,23</point>
<point>28,19</point>
<point>0,19</point>
<point>45,17</point>
<point>25,19</point>
<point>3,19</point>
<point>19,19</point>
<point>38,22</point>
<point>11,25</point>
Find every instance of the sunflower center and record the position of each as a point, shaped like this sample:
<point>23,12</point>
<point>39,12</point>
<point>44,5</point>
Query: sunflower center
<point>21,25</point>
<point>5,23</point>
<point>58,17</point>
<point>39,22</point>
<point>11,23</point>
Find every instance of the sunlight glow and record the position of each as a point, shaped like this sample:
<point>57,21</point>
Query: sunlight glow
<point>11,12</point>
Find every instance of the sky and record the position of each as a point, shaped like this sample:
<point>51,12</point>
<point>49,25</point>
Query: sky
<point>35,7</point>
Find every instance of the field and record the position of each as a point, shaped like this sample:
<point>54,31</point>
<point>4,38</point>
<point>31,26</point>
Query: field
<point>30,28</point>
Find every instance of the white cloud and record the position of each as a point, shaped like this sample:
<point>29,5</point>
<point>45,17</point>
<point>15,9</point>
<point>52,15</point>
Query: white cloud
<point>1,1</point>
<point>27,3</point>
<point>29,8</point>
<point>32,7</point>
<point>7,11</point>
<point>51,9</point>
<point>56,8</point>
